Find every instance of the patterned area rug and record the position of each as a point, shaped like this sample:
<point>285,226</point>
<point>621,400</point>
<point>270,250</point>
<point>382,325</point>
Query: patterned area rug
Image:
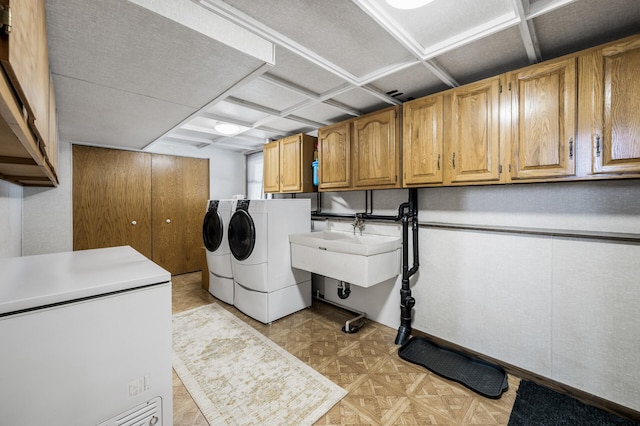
<point>237,376</point>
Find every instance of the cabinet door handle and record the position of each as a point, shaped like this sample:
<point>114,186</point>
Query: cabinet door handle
<point>597,145</point>
<point>571,148</point>
<point>168,220</point>
<point>133,222</point>
<point>453,160</point>
<point>438,161</point>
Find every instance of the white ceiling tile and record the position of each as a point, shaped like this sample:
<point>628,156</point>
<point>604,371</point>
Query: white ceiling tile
<point>337,30</point>
<point>490,56</point>
<point>269,95</point>
<point>584,24</point>
<point>231,110</point>
<point>360,99</point>
<point>413,82</point>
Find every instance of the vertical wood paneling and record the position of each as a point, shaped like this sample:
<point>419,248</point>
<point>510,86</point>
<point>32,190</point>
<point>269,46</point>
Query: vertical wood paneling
<point>111,199</point>
<point>180,188</point>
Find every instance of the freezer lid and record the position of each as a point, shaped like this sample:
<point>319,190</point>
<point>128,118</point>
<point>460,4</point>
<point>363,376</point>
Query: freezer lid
<point>30,282</point>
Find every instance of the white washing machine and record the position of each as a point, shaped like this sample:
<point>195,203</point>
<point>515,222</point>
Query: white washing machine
<point>266,287</point>
<point>214,234</point>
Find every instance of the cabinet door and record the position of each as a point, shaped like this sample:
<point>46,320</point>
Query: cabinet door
<point>180,189</point>
<point>334,156</point>
<point>291,164</point>
<point>376,150</point>
<point>111,199</point>
<point>474,132</point>
<point>544,102</point>
<point>25,58</point>
<point>423,141</point>
<point>271,167</point>
<point>616,140</point>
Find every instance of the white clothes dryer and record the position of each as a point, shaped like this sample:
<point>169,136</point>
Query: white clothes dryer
<point>214,234</point>
<point>266,287</point>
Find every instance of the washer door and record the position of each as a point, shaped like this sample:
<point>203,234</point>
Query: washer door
<point>242,235</point>
<point>212,230</point>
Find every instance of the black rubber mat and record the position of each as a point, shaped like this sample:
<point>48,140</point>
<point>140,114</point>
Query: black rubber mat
<point>482,377</point>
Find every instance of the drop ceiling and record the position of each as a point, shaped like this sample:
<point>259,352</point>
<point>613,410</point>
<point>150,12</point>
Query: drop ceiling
<point>139,73</point>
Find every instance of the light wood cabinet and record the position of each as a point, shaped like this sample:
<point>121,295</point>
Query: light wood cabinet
<point>287,164</point>
<point>616,96</point>
<point>154,203</point>
<point>472,132</point>
<point>376,150</point>
<point>334,157</point>
<point>543,126</point>
<point>28,152</point>
<point>423,141</point>
<point>361,153</point>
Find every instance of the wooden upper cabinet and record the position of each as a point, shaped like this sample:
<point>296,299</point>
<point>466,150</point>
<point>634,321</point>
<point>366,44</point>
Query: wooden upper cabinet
<point>28,152</point>
<point>271,167</point>
<point>24,56</point>
<point>423,141</point>
<point>376,150</point>
<point>616,136</point>
<point>544,108</point>
<point>334,157</point>
<point>472,132</point>
<point>287,164</point>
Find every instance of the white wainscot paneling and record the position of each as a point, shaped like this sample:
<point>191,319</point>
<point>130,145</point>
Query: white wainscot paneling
<point>596,338</point>
<point>488,292</point>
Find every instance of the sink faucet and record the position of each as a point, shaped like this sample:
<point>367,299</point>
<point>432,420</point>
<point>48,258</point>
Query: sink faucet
<point>358,223</point>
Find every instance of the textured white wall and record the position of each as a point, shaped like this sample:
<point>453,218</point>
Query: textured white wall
<point>10,219</point>
<point>48,212</point>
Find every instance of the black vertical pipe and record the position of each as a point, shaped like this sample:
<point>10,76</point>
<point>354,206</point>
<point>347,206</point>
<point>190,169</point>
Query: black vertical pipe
<point>407,302</point>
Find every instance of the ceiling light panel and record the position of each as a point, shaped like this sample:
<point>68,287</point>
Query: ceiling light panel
<point>358,47</point>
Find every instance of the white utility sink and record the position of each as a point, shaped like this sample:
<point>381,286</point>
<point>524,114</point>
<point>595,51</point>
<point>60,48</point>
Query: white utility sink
<point>362,260</point>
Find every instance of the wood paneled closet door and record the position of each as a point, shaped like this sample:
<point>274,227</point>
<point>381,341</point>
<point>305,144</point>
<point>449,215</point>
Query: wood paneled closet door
<point>111,199</point>
<point>180,190</point>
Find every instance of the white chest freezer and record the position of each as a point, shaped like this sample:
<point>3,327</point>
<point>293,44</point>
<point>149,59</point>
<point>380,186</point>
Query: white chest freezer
<point>85,339</point>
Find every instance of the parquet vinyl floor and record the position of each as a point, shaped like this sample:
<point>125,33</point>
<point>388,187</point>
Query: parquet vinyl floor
<point>383,389</point>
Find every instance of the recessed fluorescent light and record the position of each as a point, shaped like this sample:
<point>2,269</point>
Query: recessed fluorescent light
<point>408,4</point>
<point>226,128</point>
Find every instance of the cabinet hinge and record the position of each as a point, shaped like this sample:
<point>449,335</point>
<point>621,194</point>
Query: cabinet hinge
<point>5,19</point>
<point>500,168</point>
<point>509,86</point>
<point>499,87</point>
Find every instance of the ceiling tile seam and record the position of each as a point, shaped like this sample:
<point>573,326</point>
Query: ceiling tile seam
<point>216,117</point>
<point>527,33</point>
<point>541,7</point>
<point>344,108</point>
<point>245,80</point>
<point>288,85</point>
<point>383,96</point>
<point>93,83</point>
<point>272,35</point>
<point>437,69</point>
